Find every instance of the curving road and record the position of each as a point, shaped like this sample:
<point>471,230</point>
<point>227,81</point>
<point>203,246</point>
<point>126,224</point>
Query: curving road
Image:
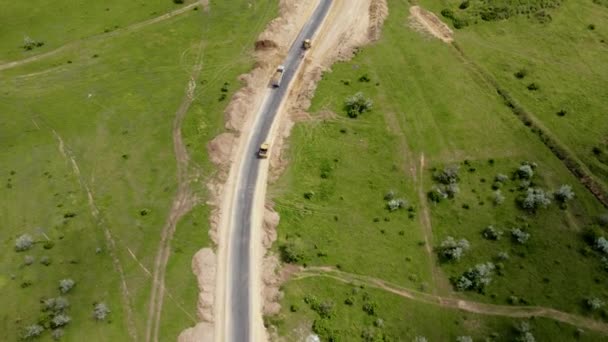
<point>239,252</point>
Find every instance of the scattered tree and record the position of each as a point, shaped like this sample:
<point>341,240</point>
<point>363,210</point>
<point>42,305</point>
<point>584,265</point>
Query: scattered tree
<point>602,244</point>
<point>498,198</point>
<point>451,249</point>
<point>464,339</point>
<point>420,339</point>
<point>492,233</point>
<point>60,320</point>
<point>476,278</point>
<point>357,104</point>
<point>449,175</point>
<point>32,331</point>
<point>30,44</point>
<point>502,256</point>
<point>535,198</point>
<point>501,178</point>
<point>45,260</point>
<point>564,193</point>
<point>525,334</point>
<point>520,236</point>
<point>65,285</point>
<point>23,243</point>
<point>57,334</point>
<point>594,303</point>
<point>28,260</point>
<point>56,305</point>
<point>100,311</point>
<point>525,171</point>
<point>396,204</point>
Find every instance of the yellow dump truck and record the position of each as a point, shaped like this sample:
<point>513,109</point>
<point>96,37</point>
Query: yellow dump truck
<point>278,76</point>
<point>306,44</point>
<point>263,151</point>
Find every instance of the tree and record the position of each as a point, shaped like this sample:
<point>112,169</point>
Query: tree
<point>501,178</point>
<point>420,339</point>
<point>60,320</point>
<point>396,204</point>
<point>476,278</point>
<point>492,233</point>
<point>100,311</point>
<point>56,305</point>
<point>32,331</point>
<point>23,243</point>
<point>520,236</point>
<point>65,285</point>
<point>525,171</point>
<point>464,339</point>
<point>594,303</point>
<point>498,198</point>
<point>535,199</point>
<point>502,256</point>
<point>57,334</point>
<point>451,249</point>
<point>28,260</point>
<point>525,334</point>
<point>564,193</point>
<point>602,244</point>
<point>449,175</point>
<point>357,104</point>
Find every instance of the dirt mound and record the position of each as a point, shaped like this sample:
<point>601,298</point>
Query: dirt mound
<point>424,21</point>
<point>202,332</point>
<point>203,266</point>
<point>220,148</point>
<point>378,11</point>
<point>265,44</point>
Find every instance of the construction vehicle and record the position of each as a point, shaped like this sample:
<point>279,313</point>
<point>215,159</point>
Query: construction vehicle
<point>306,44</point>
<point>278,76</point>
<point>263,151</point>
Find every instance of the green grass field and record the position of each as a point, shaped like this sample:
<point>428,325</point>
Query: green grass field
<point>112,101</point>
<point>398,319</point>
<point>431,104</point>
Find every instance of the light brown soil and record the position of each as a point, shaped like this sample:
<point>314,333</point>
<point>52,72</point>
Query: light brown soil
<point>455,303</point>
<point>204,267</point>
<point>425,21</point>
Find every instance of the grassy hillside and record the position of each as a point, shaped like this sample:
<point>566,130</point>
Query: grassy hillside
<point>432,109</point>
<point>110,104</point>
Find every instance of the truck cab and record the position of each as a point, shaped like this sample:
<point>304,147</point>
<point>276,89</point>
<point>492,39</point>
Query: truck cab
<point>263,151</point>
<point>306,44</point>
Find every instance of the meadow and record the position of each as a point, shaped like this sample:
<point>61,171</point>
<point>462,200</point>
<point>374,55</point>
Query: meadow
<point>433,109</point>
<point>106,105</point>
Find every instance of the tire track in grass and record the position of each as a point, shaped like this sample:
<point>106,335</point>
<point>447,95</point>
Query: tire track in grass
<point>455,303</point>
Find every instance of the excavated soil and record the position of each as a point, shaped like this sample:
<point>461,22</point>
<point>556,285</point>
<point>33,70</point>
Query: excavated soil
<point>424,21</point>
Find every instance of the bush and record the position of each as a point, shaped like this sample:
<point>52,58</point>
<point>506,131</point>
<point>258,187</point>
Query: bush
<point>23,243</point>
<point>602,220</point>
<point>464,339</point>
<point>594,303</point>
<point>369,308</point>
<point>32,331</point>
<point>447,13</point>
<point>55,305</point>
<point>520,236</point>
<point>521,74</point>
<point>65,285</point>
<point>28,260</point>
<point>396,204</point>
<point>533,86</point>
<point>476,278</point>
<point>324,309</point>
<point>45,260</point>
<point>364,78</point>
<point>502,256</point>
<point>525,171</point>
<point>420,339</point>
<point>451,249</point>
<point>464,5</point>
<point>449,175</point>
<point>436,195</point>
<point>498,198</point>
<point>525,335</point>
<point>535,198</point>
<point>30,44</point>
<point>501,178</point>
<point>357,104</point>
<point>60,320</point>
<point>564,193</point>
<point>491,233</point>
<point>323,329</point>
<point>100,311</point>
<point>57,334</point>
<point>179,2</point>
<point>601,244</point>
<point>290,253</point>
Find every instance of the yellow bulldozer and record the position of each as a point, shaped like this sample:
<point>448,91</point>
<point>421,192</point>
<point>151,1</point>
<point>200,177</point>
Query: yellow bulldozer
<point>263,151</point>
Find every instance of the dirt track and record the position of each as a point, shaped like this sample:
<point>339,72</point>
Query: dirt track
<point>455,303</point>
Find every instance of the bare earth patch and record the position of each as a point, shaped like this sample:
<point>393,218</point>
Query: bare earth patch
<point>422,20</point>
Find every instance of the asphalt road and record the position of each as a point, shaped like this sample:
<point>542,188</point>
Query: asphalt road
<point>239,329</point>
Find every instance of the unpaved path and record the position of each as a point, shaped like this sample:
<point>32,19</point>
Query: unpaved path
<point>129,28</point>
<point>428,22</point>
<point>110,243</point>
<point>183,202</point>
<point>455,303</point>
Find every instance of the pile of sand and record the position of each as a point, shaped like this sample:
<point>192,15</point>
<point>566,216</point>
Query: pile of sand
<point>424,21</point>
